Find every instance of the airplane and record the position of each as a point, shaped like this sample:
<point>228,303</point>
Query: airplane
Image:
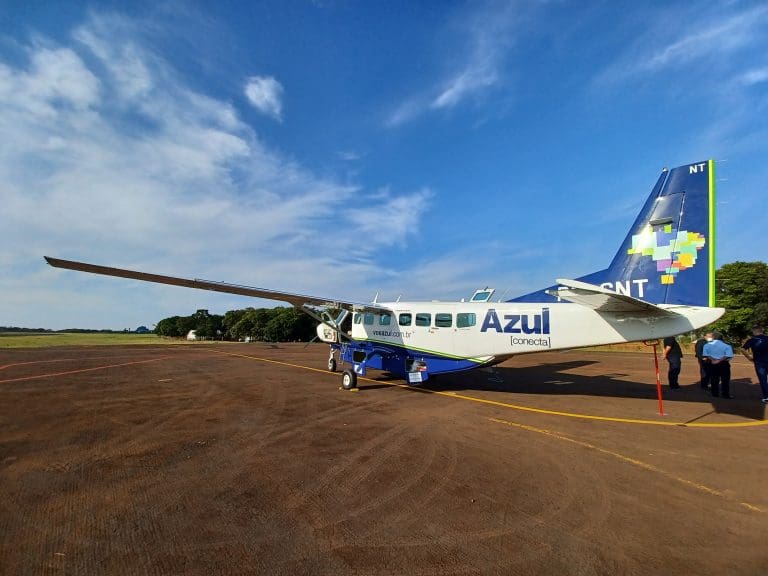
<point>660,283</point>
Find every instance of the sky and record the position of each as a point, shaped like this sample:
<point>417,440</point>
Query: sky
<point>346,149</point>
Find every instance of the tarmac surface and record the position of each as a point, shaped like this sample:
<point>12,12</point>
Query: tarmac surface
<point>249,459</point>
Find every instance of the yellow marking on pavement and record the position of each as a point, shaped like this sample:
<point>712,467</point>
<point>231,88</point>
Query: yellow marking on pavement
<point>627,459</point>
<point>450,394</point>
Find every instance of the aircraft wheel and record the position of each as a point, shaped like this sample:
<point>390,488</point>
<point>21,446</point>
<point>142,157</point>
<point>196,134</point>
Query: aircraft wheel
<point>349,379</point>
<point>332,364</point>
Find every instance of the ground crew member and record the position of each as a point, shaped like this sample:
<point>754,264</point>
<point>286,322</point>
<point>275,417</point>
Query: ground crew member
<point>756,350</point>
<point>720,355</point>
<point>674,356</point>
<point>703,364</point>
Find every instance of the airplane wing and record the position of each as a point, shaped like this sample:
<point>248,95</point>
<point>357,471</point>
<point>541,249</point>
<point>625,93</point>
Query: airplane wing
<point>604,300</point>
<point>298,300</point>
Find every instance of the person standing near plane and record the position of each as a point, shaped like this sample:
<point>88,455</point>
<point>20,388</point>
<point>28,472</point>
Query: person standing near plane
<point>720,355</point>
<point>703,364</point>
<point>674,355</point>
<point>756,350</point>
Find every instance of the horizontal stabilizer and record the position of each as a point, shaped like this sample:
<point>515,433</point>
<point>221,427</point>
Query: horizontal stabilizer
<point>605,300</point>
<point>297,300</point>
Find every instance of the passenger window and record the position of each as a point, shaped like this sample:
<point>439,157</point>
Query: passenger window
<point>368,319</point>
<point>443,320</point>
<point>404,319</point>
<point>423,319</point>
<point>358,318</point>
<point>465,319</point>
<point>385,319</point>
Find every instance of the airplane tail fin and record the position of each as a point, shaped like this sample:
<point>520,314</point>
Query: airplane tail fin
<point>668,256</point>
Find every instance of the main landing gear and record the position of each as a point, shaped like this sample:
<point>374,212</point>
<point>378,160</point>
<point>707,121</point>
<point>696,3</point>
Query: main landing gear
<point>349,379</point>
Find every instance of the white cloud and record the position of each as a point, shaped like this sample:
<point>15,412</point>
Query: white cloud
<point>57,81</point>
<point>406,111</point>
<point>707,38</point>
<point>108,156</point>
<point>468,82</point>
<point>349,155</point>
<point>490,35</point>
<point>265,94</point>
<point>755,76</point>
<point>477,61</point>
<point>392,218</point>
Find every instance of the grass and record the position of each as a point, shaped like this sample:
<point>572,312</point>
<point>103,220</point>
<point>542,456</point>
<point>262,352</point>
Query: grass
<point>47,339</point>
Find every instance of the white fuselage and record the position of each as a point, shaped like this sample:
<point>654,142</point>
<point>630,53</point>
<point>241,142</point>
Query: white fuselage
<point>484,331</point>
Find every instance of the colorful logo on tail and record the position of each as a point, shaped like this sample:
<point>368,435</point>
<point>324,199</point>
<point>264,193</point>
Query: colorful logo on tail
<point>672,250</point>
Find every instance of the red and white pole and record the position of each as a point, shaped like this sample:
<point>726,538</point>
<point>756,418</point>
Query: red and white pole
<point>655,344</point>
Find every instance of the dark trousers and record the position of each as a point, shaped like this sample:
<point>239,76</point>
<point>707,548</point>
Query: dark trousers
<point>674,371</point>
<point>720,378</point>
<point>704,373</point>
<point>761,368</point>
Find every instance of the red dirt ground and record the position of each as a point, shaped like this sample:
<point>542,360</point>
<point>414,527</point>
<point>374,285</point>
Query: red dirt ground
<point>240,459</point>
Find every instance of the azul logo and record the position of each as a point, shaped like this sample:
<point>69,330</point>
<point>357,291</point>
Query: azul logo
<point>672,250</point>
<point>517,323</point>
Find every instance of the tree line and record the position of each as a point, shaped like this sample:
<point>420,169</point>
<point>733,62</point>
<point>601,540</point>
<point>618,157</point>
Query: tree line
<point>741,288</point>
<point>262,324</point>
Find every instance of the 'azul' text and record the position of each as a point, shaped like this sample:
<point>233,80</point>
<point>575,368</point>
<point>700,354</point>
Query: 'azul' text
<point>517,323</point>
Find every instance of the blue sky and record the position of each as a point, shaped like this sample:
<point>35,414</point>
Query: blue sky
<point>347,148</point>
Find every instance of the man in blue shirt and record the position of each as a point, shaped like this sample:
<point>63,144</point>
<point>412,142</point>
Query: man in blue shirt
<point>756,350</point>
<point>720,355</point>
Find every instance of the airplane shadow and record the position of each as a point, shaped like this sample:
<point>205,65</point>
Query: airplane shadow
<point>555,380</point>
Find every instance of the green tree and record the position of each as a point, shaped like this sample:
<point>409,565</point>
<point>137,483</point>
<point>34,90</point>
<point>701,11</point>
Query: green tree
<point>280,326</point>
<point>251,324</point>
<point>168,327</point>
<point>230,320</point>
<point>207,325</point>
<point>742,289</point>
<point>288,325</point>
<point>184,324</point>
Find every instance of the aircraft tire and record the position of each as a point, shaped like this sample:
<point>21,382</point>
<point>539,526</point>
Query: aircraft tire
<point>348,379</point>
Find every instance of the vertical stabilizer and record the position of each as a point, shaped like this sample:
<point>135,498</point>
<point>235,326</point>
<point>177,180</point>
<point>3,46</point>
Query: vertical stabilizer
<point>668,257</point>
